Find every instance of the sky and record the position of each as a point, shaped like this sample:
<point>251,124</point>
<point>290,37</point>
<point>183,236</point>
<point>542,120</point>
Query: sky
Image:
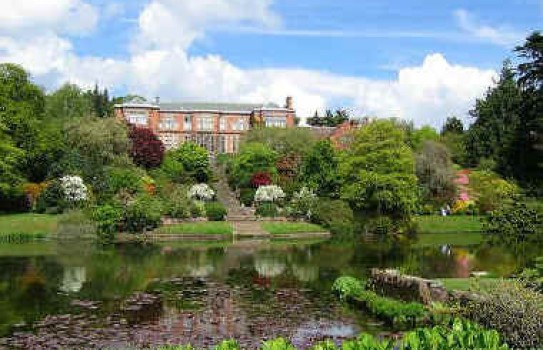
<point>420,60</point>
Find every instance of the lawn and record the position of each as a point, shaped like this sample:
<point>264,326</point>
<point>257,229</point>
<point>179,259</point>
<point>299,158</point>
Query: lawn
<point>282,228</point>
<point>466,284</point>
<point>197,228</point>
<point>28,224</point>
<point>449,224</point>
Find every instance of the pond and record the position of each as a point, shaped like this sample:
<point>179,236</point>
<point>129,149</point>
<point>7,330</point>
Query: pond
<point>75,294</point>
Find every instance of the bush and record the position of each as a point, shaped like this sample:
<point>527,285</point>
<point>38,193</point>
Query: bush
<point>490,191</point>
<point>277,344</point>
<point>197,209</point>
<point>346,286</point>
<point>261,179</point>
<point>108,220</point>
<point>215,211</point>
<point>147,149</point>
<point>246,196</point>
<point>143,214</point>
<point>303,203</point>
<point>52,199</point>
<point>515,311</point>
<point>176,203</point>
<point>515,224</point>
<point>334,215</point>
<point>13,200</point>
<point>126,179</point>
<point>267,210</point>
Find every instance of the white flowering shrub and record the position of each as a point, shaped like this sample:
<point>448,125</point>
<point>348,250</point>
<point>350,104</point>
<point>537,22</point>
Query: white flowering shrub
<point>201,192</point>
<point>74,188</point>
<point>271,193</point>
<point>303,203</point>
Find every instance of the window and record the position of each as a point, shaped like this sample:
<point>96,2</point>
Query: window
<point>137,117</point>
<point>170,140</point>
<point>205,123</point>
<point>240,124</point>
<point>168,122</point>
<point>188,123</point>
<point>223,124</point>
<point>276,122</point>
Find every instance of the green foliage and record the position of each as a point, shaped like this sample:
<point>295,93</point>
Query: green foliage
<point>215,211</point>
<point>68,102</point>
<point>252,158</point>
<point>125,179</point>
<point>513,225</point>
<point>108,219</point>
<point>143,214</point>
<point>514,311</point>
<point>319,169</point>
<point>347,286</point>
<point>197,209</point>
<point>330,119</point>
<point>193,158</point>
<point>13,199</point>
<point>378,173</point>
<point>367,342</point>
<point>176,203</point>
<point>452,125</point>
<point>416,138</point>
<point>227,345</point>
<point>173,170</point>
<point>247,196</point>
<point>303,204</point>
<point>490,191</point>
<point>52,199</point>
<point>277,344</point>
<point>462,335</point>
<point>533,277</point>
<point>335,215</point>
<point>283,141</point>
<point>267,210</point>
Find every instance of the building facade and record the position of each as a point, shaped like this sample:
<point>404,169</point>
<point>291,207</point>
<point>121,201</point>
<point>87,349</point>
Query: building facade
<point>216,126</point>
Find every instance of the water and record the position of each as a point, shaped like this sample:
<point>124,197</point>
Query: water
<point>74,294</point>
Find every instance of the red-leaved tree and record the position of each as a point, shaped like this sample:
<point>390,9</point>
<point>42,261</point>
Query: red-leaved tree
<point>261,179</point>
<point>147,149</point>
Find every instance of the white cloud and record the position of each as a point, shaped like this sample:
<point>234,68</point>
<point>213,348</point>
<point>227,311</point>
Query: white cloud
<point>179,22</point>
<point>36,16</point>
<point>161,66</point>
<point>502,35</point>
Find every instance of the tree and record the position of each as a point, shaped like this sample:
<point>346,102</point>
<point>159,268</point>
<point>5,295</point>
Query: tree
<point>194,159</point>
<point>378,172</point>
<point>416,138</point>
<point>319,169</point>
<point>527,148</point>
<point>497,117</point>
<point>330,119</point>
<point>68,102</point>
<point>435,172</point>
<point>453,125</point>
<point>251,159</point>
<point>147,150</point>
<point>283,141</point>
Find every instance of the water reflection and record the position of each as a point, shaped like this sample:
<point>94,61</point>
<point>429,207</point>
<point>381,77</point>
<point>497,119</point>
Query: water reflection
<point>206,292</point>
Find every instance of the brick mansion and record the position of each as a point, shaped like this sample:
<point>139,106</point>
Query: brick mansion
<point>216,126</point>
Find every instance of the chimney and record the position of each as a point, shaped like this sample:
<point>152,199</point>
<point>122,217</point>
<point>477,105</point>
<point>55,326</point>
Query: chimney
<point>157,100</point>
<point>290,103</point>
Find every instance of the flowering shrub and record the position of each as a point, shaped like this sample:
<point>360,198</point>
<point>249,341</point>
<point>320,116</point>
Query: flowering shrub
<point>270,193</point>
<point>201,192</point>
<point>74,188</point>
<point>463,207</point>
<point>149,185</point>
<point>33,191</point>
<point>261,179</point>
<point>303,203</point>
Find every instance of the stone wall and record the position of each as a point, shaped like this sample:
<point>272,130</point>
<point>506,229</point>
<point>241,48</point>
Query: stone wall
<point>392,284</point>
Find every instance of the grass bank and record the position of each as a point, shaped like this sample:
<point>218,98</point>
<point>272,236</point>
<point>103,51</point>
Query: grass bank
<point>26,227</point>
<point>197,228</point>
<point>449,224</point>
<point>467,284</point>
<point>285,228</point>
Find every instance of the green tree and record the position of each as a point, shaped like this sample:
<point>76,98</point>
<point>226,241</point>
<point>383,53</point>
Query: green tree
<point>68,102</point>
<point>496,119</point>
<point>378,172</point>
<point>416,138</point>
<point>319,169</point>
<point>285,141</point>
<point>453,125</point>
<point>526,153</point>
<point>330,119</point>
<point>193,158</point>
<point>253,158</point>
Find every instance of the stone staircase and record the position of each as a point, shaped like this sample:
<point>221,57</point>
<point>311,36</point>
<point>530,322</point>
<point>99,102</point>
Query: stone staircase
<point>235,212</point>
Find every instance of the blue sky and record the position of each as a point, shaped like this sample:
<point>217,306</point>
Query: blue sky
<point>367,55</point>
